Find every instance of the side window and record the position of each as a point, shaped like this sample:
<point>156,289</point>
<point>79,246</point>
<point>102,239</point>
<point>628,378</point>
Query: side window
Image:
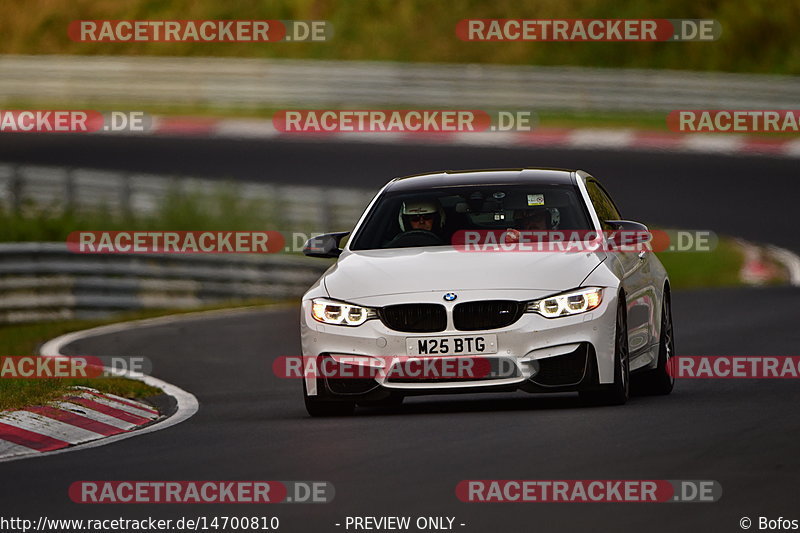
<point>602,203</point>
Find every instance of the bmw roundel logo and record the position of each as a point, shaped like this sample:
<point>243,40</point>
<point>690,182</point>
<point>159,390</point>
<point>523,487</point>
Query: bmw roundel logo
<point>450,296</point>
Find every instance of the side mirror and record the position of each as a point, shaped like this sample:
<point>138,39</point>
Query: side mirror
<point>324,245</point>
<point>628,232</point>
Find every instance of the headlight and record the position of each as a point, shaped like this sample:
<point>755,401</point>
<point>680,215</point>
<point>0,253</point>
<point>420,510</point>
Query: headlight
<point>569,303</point>
<point>339,313</point>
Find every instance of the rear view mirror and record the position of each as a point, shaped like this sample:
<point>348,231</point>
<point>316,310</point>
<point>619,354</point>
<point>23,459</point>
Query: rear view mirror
<point>324,245</point>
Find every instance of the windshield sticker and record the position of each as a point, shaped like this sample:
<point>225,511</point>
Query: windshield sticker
<point>535,199</point>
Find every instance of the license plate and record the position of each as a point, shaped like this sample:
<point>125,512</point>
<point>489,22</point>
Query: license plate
<point>467,345</point>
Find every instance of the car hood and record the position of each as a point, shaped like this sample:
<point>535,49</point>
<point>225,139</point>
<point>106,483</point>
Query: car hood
<point>412,270</point>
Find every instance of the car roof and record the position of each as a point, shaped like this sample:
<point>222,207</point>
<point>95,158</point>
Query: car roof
<point>466,178</point>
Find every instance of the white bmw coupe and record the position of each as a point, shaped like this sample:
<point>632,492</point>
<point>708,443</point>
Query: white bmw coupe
<point>486,281</point>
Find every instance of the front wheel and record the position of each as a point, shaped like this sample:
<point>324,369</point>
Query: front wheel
<point>660,380</point>
<point>618,392</point>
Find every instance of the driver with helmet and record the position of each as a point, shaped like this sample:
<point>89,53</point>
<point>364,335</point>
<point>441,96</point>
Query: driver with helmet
<point>421,215</point>
<point>421,224</point>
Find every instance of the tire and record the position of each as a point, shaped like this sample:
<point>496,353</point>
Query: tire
<point>659,381</point>
<point>319,407</point>
<point>618,392</point>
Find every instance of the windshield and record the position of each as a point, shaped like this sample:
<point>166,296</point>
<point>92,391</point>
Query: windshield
<point>431,217</point>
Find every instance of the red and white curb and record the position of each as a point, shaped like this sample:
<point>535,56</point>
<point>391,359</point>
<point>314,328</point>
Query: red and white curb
<point>85,400</point>
<point>82,416</point>
<point>132,418</point>
<point>589,138</point>
<point>790,260</point>
<point>757,269</point>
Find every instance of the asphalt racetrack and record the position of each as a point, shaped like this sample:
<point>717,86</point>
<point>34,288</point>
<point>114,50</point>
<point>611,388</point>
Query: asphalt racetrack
<point>252,425</point>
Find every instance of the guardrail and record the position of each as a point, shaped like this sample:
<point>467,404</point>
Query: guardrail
<point>45,281</point>
<point>251,83</point>
<point>306,208</point>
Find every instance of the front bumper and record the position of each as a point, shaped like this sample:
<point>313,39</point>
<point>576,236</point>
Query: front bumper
<point>537,354</point>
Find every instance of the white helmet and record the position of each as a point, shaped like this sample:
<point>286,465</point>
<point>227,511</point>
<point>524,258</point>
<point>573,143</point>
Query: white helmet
<point>420,207</point>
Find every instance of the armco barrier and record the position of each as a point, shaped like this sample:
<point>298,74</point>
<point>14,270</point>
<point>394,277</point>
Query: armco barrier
<point>45,281</point>
<point>299,208</point>
<point>258,83</point>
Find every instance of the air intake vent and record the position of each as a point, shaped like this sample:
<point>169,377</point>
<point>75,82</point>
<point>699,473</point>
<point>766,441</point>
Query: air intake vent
<point>414,318</point>
<point>490,314</point>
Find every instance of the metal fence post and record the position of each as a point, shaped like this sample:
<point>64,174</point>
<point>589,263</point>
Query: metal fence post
<point>69,187</point>
<point>15,186</point>
<point>326,212</point>
<point>125,196</point>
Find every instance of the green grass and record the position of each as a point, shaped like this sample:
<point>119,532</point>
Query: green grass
<point>25,339</point>
<point>717,268</point>
<point>18,393</point>
<point>757,36</point>
<point>223,209</point>
<point>568,119</point>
